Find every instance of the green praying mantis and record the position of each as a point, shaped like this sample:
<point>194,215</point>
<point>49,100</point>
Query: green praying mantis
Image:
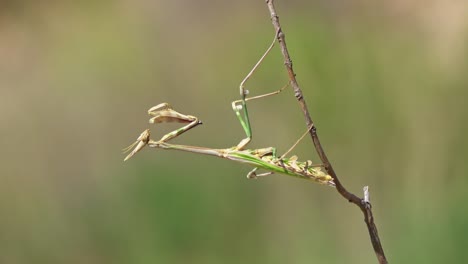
<point>263,158</point>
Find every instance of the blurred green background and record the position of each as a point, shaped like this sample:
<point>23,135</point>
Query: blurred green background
<point>386,83</point>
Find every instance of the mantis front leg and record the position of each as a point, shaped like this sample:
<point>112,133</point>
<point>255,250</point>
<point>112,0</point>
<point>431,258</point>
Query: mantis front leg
<point>164,113</point>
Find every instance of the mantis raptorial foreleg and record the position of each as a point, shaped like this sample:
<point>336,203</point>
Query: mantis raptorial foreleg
<point>164,113</point>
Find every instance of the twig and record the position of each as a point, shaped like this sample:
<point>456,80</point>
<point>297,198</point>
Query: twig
<point>363,204</point>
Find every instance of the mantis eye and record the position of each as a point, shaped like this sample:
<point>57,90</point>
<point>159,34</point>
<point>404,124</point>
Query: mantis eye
<point>246,92</point>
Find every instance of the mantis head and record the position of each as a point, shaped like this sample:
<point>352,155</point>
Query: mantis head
<point>140,143</point>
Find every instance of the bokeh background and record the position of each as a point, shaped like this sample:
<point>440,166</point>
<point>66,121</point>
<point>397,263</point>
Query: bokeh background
<point>386,83</point>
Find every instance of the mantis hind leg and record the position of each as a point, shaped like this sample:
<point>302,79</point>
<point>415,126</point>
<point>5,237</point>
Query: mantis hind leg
<point>253,174</point>
<point>264,152</point>
<point>297,142</point>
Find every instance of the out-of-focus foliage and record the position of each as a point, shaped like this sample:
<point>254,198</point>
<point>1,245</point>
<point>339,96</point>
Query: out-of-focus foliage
<point>386,84</point>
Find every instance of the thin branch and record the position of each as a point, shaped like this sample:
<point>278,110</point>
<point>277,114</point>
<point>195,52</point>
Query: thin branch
<point>364,205</point>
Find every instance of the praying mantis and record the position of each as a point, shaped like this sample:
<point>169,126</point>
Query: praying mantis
<point>263,158</point>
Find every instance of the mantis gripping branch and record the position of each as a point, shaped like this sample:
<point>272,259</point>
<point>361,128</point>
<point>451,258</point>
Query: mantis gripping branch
<point>264,158</point>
